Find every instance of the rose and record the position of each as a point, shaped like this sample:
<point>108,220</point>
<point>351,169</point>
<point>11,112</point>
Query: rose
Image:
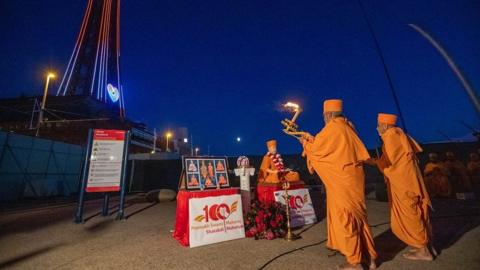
<point>273,223</point>
<point>279,218</point>
<point>269,235</point>
<point>251,232</point>
<point>260,227</point>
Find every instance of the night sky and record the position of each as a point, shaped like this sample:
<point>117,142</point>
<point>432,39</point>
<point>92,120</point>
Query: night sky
<point>221,68</point>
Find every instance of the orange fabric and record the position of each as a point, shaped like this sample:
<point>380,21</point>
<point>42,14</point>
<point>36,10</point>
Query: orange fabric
<point>408,194</point>
<point>385,118</point>
<point>335,154</point>
<point>193,180</point>
<point>436,180</point>
<point>459,175</point>
<point>333,105</point>
<point>272,143</point>
<point>265,177</point>
<point>220,166</point>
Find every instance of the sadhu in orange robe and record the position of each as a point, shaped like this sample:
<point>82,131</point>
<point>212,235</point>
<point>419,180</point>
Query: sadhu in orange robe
<point>335,154</point>
<point>268,164</point>
<point>436,178</point>
<point>409,199</point>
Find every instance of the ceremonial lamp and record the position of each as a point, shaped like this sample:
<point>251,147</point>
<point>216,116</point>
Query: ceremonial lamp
<point>290,127</point>
<point>290,236</point>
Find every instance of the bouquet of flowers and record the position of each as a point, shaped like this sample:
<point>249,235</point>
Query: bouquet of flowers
<point>266,221</point>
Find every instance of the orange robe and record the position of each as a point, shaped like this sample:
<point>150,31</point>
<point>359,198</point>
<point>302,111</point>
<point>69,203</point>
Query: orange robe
<point>265,177</point>
<point>335,154</point>
<point>473,168</point>
<point>436,180</point>
<point>408,194</point>
<point>459,176</point>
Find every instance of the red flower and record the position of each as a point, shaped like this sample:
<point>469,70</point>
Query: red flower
<point>251,232</point>
<point>260,227</point>
<point>270,235</point>
<point>274,224</point>
<point>279,218</point>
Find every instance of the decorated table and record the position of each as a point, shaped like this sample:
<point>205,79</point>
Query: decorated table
<point>265,191</point>
<point>181,232</point>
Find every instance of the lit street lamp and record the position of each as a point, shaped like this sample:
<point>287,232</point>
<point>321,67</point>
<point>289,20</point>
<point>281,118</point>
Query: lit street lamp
<point>50,75</point>
<point>196,151</point>
<point>168,135</point>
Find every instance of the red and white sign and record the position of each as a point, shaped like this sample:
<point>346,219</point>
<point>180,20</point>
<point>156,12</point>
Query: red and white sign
<point>215,219</point>
<point>301,206</point>
<point>106,159</point>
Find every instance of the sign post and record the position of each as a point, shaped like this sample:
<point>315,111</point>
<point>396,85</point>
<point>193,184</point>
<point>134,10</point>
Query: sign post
<point>83,179</point>
<point>104,168</point>
<point>120,214</point>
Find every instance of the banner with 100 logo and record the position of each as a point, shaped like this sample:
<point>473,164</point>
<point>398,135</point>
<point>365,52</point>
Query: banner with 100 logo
<point>215,219</point>
<point>301,206</point>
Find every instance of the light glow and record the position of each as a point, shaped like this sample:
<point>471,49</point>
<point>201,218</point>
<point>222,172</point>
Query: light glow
<point>292,106</point>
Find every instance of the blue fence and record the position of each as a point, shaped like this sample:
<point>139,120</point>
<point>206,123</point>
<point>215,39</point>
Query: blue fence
<point>34,168</point>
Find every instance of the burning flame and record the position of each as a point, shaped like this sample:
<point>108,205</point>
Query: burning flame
<point>292,106</point>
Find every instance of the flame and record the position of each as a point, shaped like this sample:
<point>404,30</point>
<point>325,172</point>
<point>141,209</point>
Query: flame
<point>292,106</point>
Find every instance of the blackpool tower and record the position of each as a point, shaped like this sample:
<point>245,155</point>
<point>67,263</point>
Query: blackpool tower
<point>94,65</point>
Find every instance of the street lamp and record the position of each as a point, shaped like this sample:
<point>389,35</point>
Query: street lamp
<point>168,135</point>
<point>50,75</point>
<point>196,151</point>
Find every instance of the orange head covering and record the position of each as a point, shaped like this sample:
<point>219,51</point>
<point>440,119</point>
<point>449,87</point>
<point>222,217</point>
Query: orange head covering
<point>333,105</point>
<point>272,143</point>
<point>386,118</point>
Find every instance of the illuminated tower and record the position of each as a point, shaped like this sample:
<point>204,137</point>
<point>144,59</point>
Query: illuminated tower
<point>94,66</point>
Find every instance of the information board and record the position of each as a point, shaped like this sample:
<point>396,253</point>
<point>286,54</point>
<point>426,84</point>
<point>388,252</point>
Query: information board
<point>106,159</point>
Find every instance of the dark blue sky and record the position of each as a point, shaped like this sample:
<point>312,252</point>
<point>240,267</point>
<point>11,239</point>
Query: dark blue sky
<point>222,68</point>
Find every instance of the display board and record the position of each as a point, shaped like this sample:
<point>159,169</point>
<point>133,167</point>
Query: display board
<point>301,206</point>
<point>204,173</point>
<point>215,219</point>
<point>106,160</point>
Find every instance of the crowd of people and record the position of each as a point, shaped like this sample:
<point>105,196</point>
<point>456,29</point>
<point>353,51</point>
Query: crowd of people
<point>446,176</point>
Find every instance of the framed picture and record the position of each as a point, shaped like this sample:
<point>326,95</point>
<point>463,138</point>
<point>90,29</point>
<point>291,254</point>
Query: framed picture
<point>205,172</point>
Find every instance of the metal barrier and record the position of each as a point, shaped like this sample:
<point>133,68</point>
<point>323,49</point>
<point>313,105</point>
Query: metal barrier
<point>32,167</point>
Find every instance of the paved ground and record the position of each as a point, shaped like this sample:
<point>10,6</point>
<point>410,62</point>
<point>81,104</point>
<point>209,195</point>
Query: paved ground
<point>46,238</point>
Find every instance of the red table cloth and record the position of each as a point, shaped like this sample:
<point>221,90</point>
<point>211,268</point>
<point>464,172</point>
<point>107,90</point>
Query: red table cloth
<point>265,192</point>
<point>181,232</point>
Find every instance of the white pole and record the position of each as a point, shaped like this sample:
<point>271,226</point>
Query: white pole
<point>451,63</point>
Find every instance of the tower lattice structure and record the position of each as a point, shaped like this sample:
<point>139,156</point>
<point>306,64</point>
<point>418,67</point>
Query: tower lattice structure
<point>94,66</point>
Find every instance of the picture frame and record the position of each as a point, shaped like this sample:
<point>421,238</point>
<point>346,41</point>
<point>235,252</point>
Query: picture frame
<point>204,172</point>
